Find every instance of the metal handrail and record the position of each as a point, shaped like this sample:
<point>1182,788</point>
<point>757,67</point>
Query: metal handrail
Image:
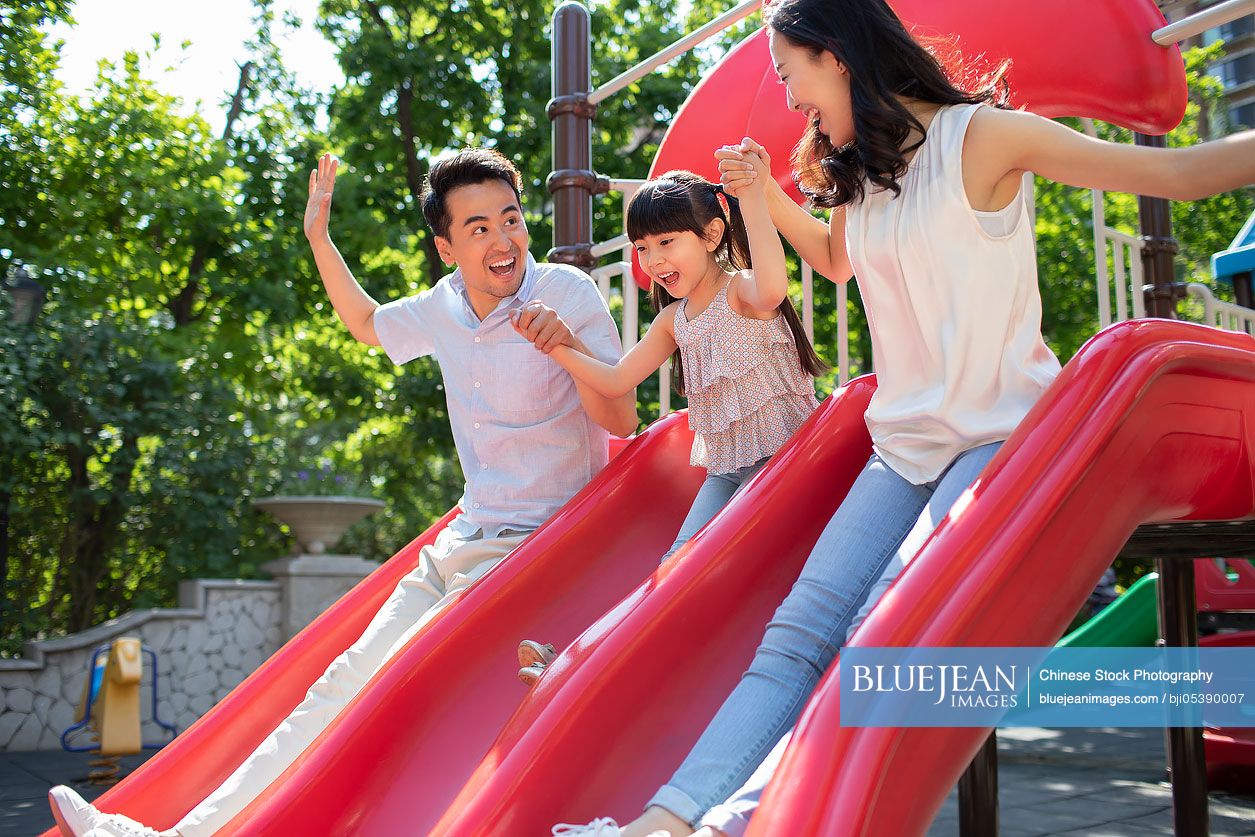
<point>1220,314</point>
<point>607,247</point>
<point>677,49</point>
<point>1199,22</point>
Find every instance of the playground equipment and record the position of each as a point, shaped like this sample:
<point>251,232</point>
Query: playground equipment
<point>1225,597</point>
<point>628,696</point>
<point>1237,264</point>
<point>109,707</point>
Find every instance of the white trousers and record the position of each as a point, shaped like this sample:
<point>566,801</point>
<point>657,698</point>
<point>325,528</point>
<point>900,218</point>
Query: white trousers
<point>444,568</point>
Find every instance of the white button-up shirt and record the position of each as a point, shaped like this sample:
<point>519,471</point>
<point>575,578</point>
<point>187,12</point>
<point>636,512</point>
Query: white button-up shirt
<point>524,441</point>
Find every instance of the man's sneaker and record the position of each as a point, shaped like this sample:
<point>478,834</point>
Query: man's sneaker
<point>117,825</point>
<point>603,827</point>
<point>75,816</point>
<point>533,653</point>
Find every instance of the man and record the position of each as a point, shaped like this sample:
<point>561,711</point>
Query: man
<point>527,435</point>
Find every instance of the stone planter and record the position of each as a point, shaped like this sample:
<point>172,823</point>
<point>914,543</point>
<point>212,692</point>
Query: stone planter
<point>318,522</point>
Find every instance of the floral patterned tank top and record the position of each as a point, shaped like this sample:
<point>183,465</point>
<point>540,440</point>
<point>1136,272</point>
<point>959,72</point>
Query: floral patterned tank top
<point>747,391</point>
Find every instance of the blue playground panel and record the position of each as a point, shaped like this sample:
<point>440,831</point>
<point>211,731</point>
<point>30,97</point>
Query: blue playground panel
<point>1239,258</point>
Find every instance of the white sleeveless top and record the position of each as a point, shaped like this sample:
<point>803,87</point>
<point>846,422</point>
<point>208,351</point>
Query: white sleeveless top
<point>954,311</point>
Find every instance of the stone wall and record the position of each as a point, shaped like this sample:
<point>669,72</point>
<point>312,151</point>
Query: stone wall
<point>221,631</point>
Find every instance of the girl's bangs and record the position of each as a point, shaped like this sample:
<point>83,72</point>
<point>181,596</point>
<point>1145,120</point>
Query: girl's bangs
<point>661,207</point>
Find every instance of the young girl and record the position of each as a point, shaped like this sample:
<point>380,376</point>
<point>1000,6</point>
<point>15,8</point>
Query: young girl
<point>741,355</point>
<point>923,180</point>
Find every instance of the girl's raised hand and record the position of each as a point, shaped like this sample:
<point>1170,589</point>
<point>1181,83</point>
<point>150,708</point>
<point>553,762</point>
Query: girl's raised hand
<point>763,163</point>
<point>743,169</point>
<point>322,182</point>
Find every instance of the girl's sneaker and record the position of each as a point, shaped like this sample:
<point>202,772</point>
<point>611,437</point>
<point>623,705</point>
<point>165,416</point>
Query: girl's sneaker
<point>533,653</point>
<point>602,827</point>
<point>534,658</point>
<point>530,674</point>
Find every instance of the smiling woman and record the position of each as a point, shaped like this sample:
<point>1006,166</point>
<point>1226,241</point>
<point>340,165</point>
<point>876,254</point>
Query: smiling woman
<point>854,93</point>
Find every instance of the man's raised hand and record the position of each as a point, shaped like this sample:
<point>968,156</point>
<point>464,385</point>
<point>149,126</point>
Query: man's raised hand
<point>322,182</point>
<point>542,326</point>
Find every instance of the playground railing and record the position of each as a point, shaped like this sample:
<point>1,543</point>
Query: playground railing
<point>1220,314</point>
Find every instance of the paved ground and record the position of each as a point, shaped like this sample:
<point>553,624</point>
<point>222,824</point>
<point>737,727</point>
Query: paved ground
<point>1090,782</point>
<point>26,777</point>
<point>1051,782</point>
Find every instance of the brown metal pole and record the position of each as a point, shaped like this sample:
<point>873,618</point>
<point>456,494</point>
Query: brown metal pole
<point>1178,616</point>
<point>572,182</point>
<point>1187,763</point>
<point>978,792</point>
<point>1158,248</point>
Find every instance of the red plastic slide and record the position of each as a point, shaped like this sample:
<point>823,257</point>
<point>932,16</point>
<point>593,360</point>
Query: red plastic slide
<point>402,752</point>
<point>1230,750</point>
<point>587,557</point>
<point>619,709</point>
<point>1152,421</point>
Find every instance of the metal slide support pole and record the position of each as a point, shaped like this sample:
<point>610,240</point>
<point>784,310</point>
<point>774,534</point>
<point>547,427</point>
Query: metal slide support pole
<point>978,792</point>
<point>1158,248</point>
<point>573,182</point>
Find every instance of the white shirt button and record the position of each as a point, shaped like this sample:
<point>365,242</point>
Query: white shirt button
<point>477,505</point>
<point>483,466</point>
<point>476,425</point>
<point>477,385</point>
<point>476,339</point>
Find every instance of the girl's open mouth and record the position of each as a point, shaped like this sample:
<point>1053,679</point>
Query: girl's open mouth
<point>669,279</point>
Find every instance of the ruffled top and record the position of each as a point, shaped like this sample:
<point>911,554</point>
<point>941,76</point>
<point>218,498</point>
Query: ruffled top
<point>747,391</point>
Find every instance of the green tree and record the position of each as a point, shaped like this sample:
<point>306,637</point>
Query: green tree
<point>130,398</point>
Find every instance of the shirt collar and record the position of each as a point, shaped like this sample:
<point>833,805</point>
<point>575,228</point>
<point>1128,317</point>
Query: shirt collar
<point>521,297</point>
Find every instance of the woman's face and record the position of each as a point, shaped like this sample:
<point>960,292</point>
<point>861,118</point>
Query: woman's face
<point>816,85</point>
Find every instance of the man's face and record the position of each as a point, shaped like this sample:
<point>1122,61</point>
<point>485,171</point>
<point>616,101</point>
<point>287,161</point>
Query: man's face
<point>487,240</point>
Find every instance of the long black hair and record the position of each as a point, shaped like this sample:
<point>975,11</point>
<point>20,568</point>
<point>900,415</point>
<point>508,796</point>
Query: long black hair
<point>884,63</point>
<point>681,201</point>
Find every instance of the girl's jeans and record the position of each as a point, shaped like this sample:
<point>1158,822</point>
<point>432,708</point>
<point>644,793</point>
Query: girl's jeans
<point>877,530</point>
<point>715,493</point>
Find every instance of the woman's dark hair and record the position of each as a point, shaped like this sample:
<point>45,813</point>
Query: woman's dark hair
<point>466,168</point>
<point>681,201</point>
<point>884,62</point>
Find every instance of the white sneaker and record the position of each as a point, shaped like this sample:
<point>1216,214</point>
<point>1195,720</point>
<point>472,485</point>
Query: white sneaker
<point>118,825</point>
<point>601,827</point>
<point>75,816</point>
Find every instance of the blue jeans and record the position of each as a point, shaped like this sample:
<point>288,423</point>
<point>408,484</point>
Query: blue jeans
<point>877,530</point>
<point>716,491</point>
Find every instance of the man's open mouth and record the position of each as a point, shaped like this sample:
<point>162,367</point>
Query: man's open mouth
<point>503,267</point>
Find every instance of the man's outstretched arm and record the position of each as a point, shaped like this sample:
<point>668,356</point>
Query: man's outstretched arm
<point>352,304</point>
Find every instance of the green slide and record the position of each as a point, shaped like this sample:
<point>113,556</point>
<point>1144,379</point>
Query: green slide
<point>1131,621</point>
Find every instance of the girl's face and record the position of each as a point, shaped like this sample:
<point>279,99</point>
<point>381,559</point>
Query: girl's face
<point>679,261</point>
<point>816,85</point>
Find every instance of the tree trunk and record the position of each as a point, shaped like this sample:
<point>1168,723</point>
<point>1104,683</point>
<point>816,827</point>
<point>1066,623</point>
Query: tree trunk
<point>93,532</point>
